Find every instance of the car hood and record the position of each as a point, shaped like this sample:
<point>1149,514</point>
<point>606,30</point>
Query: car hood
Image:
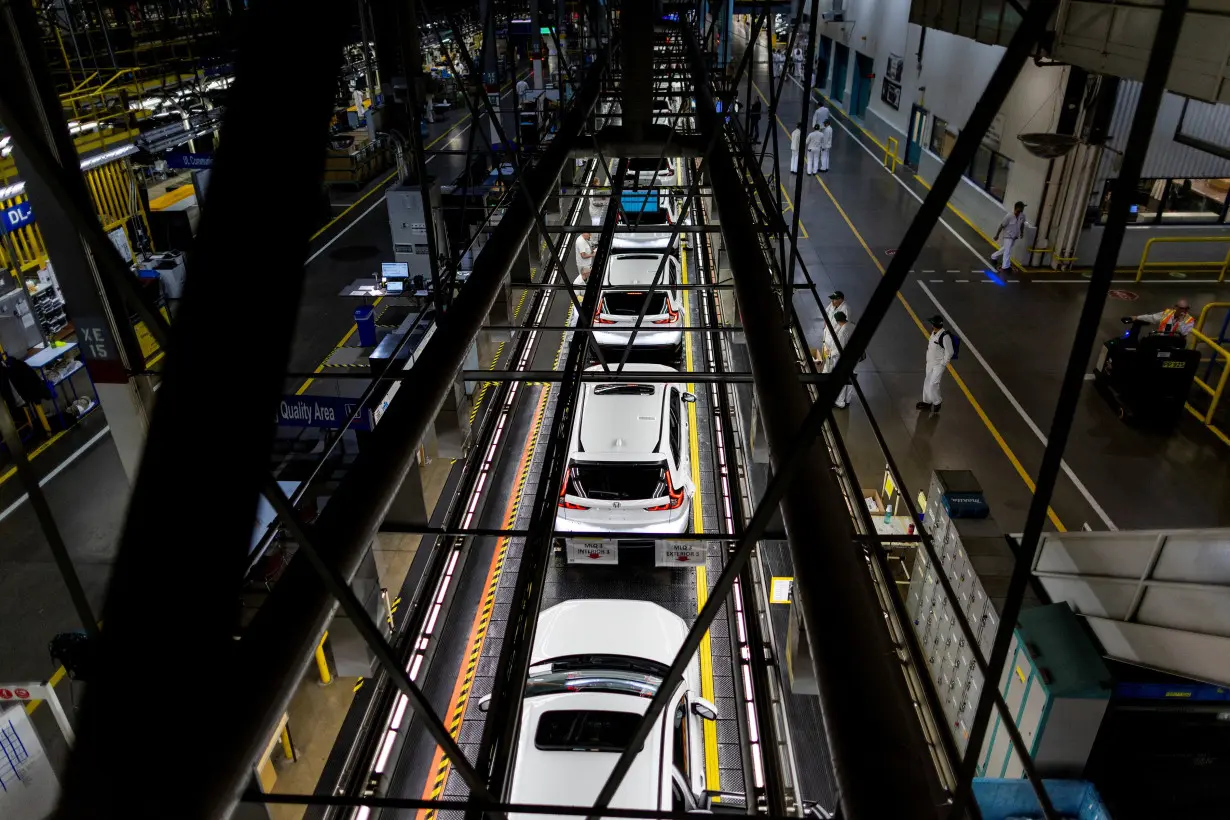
<point>637,629</point>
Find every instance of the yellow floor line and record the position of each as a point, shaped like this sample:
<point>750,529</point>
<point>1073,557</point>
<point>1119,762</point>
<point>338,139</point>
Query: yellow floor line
<point>995,434</point>
<point>712,773</point>
<point>790,207</point>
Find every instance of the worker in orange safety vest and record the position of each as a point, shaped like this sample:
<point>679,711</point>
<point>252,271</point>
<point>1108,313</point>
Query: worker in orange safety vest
<point>1176,320</point>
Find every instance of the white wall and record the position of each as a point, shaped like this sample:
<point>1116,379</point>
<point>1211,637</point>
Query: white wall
<point>954,73</point>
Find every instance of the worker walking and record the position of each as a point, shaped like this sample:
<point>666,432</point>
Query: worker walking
<point>779,64</point>
<point>585,255</point>
<point>1175,320</point>
<point>523,88</point>
<point>795,138</point>
<point>798,62</point>
<point>753,114</point>
<point>1013,228</point>
<point>832,354</point>
<point>939,354</point>
<point>826,144</point>
<point>814,141</point>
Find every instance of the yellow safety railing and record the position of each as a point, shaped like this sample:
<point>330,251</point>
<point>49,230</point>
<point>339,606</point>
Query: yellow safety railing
<point>1204,313</point>
<point>890,154</point>
<point>1145,263</point>
<point>1215,393</point>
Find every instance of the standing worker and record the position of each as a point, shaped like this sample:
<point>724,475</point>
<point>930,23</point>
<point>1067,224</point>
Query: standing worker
<point>939,354</point>
<point>826,144</point>
<point>798,62</point>
<point>523,88</point>
<point>1171,321</point>
<point>585,256</point>
<point>837,301</point>
<point>795,138</point>
<point>598,202</point>
<point>814,141</point>
<point>754,120</point>
<point>821,116</point>
<point>1013,228</point>
<point>845,329</point>
<point>779,64</point>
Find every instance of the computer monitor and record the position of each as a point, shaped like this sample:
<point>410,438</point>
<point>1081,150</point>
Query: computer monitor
<point>394,270</point>
<point>395,286</point>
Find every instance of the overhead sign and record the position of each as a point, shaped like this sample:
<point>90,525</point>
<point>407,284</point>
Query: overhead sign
<point>329,412</point>
<point>18,216</point>
<point>187,160</point>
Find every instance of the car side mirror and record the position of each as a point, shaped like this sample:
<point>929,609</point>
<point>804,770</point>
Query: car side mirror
<point>484,703</point>
<point>690,398</point>
<point>704,709</point>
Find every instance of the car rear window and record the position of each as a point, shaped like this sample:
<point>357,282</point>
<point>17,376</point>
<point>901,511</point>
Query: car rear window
<point>574,730</point>
<point>617,480</point>
<point>628,303</point>
<point>648,164</point>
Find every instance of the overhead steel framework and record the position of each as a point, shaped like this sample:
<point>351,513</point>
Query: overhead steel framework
<point>887,762</point>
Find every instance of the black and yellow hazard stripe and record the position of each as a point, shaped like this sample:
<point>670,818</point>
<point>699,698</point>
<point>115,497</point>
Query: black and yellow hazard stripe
<point>482,388</point>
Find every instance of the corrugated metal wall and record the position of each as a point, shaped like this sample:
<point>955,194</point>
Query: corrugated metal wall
<point>1167,158</point>
<point>1206,125</point>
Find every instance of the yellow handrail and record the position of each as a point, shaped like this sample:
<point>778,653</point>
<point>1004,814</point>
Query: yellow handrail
<point>1204,312</point>
<point>1206,418</point>
<point>1144,257</point>
<point>890,154</point>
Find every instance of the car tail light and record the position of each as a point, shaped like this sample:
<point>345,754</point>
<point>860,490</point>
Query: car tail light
<point>676,497</point>
<point>563,491</point>
<point>672,315</point>
<point>598,320</point>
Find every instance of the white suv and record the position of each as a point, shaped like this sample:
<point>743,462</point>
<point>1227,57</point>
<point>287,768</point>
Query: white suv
<point>624,290</point>
<point>651,171</point>
<point>644,209</point>
<point>593,670</point>
<point>629,471</point>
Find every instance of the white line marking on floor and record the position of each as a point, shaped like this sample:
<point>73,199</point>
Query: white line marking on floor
<point>938,281</point>
<point>928,271</point>
<point>961,281</point>
<point>952,271</point>
<point>45,480</point>
<point>990,281</point>
<point>965,342</point>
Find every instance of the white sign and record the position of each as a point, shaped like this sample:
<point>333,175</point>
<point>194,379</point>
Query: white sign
<point>679,554</point>
<point>29,789</point>
<point>591,551</point>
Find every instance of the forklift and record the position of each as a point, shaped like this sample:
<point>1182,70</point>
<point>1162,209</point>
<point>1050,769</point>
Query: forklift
<point>1146,379</point>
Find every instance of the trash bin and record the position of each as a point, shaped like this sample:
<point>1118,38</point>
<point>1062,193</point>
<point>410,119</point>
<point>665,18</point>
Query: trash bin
<point>365,322</point>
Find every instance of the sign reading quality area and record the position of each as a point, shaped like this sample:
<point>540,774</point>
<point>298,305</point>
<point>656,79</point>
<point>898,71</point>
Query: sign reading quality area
<point>321,411</point>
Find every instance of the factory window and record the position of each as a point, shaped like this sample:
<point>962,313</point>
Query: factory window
<point>989,171</point>
<point>942,140</point>
<point>1174,201</point>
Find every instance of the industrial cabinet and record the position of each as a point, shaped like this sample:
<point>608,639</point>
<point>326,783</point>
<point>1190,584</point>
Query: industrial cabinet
<point>1053,668</point>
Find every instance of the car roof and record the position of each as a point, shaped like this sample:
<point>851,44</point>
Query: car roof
<point>637,629</point>
<point>627,269</point>
<point>566,778</point>
<point>622,422</point>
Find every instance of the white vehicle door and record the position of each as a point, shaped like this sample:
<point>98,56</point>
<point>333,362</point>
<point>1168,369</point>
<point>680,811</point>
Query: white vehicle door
<point>680,445</point>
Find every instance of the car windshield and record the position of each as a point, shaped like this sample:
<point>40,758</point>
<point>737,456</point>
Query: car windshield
<point>617,480</point>
<point>623,390</point>
<point>628,303</point>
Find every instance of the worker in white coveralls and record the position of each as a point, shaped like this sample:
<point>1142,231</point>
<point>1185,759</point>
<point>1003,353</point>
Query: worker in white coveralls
<point>939,353</point>
<point>845,329</point>
<point>779,64</point>
<point>795,138</point>
<point>1012,228</point>
<point>826,144</point>
<point>798,62</point>
<point>821,116</point>
<point>814,139</point>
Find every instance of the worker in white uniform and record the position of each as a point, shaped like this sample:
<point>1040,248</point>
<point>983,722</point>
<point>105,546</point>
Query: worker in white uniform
<point>939,353</point>
<point>779,63</point>
<point>814,140</point>
<point>585,255</point>
<point>821,116</point>
<point>523,88</point>
<point>795,138</point>
<point>1171,321</point>
<point>826,144</point>
<point>1012,228</point>
<point>598,202</point>
<point>845,329</point>
<point>798,62</point>
<point>837,302</point>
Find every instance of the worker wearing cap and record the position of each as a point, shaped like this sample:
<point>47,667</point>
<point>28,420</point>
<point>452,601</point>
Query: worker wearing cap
<point>844,330</point>
<point>837,302</point>
<point>1174,321</point>
<point>939,353</point>
<point>1013,228</point>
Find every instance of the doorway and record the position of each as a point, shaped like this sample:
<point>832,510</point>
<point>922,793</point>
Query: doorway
<point>841,58</point>
<point>917,136</point>
<point>822,61</point>
<point>860,91</point>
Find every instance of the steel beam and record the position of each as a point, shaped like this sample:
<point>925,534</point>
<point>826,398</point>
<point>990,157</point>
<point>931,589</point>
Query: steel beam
<point>866,707</point>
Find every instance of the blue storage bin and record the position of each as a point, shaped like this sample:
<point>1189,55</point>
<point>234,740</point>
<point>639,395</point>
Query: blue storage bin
<point>1009,799</point>
<point>365,321</point>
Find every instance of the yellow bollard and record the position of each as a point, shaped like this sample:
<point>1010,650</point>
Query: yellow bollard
<point>322,663</point>
<point>287,748</point>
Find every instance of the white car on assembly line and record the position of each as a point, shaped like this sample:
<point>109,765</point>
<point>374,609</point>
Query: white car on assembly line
<point>648,172</point>
<point>593,670</point>
<point>644,209</point>
<point>629,471</point>
<point>625,288</point>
